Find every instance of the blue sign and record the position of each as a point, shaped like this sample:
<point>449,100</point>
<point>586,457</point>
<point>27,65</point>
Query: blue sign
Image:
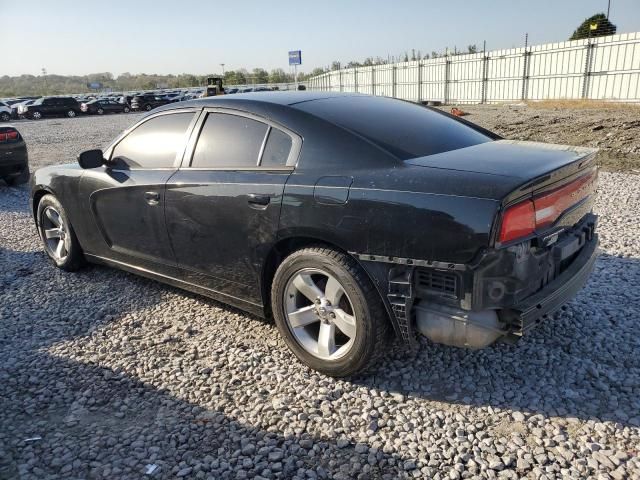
<point>94,85</point>
<point>295,57</point>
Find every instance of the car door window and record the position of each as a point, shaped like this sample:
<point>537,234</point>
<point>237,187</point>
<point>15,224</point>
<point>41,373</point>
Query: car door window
<point>229,141</point>
<point>153,144</point>
<point>277,149</point>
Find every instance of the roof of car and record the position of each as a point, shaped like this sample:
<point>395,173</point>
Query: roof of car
<point>273,97</point>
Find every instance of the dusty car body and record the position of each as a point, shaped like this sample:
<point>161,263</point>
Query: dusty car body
<point>467,238</point>
<point>14,159</point>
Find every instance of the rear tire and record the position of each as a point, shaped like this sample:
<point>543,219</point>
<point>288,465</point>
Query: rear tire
<point>71,113</point>
<point>23,177</point>
<point>5,117</point>
<point>126,110</point>
<point>100,111</point>
<point>147,107</point>
<point>335,322</point>
<point>36,115</point>
<point>59,240</point>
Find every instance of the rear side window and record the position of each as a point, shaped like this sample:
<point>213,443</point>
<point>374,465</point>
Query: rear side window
<point>404,129</point>
<point>154,144</point>
<point>277,149</point>
<point>229,141</point>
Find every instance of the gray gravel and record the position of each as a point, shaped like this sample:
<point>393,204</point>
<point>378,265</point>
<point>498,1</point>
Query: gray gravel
<point>103,373</point>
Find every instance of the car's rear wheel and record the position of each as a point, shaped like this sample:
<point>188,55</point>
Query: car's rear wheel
<point>36,115</point>
<point>100,111</point>
<point>5,117</point>
<point>126,110</point>
<point>58,237</point>
<point>71,113</point>
<point>328,312</point>
<point>23,177</point>
<point>147,108</point>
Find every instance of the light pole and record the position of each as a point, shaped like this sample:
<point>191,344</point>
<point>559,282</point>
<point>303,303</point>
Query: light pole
<point>608,8</point>
<point>44,77</point>
<point>222,65</point>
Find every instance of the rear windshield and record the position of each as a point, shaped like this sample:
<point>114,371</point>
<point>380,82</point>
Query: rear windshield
<point>406,130</point>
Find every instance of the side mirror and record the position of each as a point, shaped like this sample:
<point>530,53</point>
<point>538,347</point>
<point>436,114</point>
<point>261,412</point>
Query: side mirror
<point>91,159</point>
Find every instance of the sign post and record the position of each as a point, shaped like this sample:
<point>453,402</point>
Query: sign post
<point>295,59</point>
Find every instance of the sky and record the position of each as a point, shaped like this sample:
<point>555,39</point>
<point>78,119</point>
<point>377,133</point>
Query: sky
<point>142,36</point>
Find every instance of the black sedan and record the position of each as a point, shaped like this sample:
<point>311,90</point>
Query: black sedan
<point>345,217</point>
<point>14,161</point>
<point>102,106</point>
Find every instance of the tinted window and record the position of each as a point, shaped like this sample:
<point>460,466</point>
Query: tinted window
<point>277,149</point>
<point>404,129</point>
<point>229,141</point>
<point>155,143</point>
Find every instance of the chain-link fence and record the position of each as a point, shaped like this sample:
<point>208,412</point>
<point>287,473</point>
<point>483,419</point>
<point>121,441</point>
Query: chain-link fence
<point>603,68</point>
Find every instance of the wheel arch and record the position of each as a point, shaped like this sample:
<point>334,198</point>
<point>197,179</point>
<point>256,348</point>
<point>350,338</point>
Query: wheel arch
<point>286,246</point>
<point>38,193</point>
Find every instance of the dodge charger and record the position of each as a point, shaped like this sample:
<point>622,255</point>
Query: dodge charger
<point>349,219</point>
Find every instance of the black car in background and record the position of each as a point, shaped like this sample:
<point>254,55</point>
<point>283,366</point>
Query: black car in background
<point>102,106</point>
<point>52,107</point>
<point>345,217</point>
<point>147,102</point>
<point>14,162</point>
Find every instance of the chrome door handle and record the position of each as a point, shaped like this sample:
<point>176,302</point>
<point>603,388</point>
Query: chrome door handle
<point>256,199</point>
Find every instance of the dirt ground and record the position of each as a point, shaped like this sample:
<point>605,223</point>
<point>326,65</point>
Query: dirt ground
<point>613,129</point>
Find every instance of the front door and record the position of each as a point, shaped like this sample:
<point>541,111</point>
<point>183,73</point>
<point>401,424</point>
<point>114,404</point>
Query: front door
<point>127,198</point>
<point>223,206</point>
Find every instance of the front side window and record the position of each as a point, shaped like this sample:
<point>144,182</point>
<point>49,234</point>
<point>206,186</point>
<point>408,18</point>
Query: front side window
<point>229,141</point>
<point>154,144</point>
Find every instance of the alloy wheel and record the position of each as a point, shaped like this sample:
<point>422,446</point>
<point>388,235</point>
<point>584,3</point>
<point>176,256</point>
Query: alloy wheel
<point>5,117</point>
<point>55,234</point>
<point>37,115</point>
<point>71,114</point>
<point>320,314</point>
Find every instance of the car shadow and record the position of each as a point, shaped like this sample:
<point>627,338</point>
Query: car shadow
<point>80,383</point>
<point>581,363</point>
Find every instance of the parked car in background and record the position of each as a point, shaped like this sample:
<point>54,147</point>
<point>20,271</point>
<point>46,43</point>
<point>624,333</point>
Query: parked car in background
<point>18,109</point>
<point>52,107</point>
<point>14,162</point>
<point>344,216</point>
<point>102,106</point>
<point>147,102</point>
<point>5,112</point>
<point>230,91</point>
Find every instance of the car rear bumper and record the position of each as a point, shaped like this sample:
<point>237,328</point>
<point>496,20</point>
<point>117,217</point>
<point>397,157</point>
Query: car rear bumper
<point>533,310</point>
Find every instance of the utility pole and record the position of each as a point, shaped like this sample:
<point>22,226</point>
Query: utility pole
<point>44,75</point>
<point>608,8</point>
<point>222,65</point>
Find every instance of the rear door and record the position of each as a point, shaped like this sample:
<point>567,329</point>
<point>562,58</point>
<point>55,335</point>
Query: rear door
<point>223,205</point>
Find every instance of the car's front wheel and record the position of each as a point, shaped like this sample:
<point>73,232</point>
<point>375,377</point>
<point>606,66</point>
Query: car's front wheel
<point>71,113</point>
<point>58,237</point>
<point>147,108</point>
<point>5,117</point>
<point>36,115</point>
<point>329,312</point>
<point>126,110</point>
<point>100,111</point>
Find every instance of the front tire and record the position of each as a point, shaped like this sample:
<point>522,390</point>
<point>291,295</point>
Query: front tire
<point>126,110</point>
<point>60,241</point>
<point>147,108</point>
<point>5,117</point>
<point>328,311</point>
<point>71,113</point>
<point>100,111</point>
<point>36,115</point>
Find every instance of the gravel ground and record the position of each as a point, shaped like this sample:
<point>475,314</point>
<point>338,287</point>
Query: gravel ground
<point>103,373</point>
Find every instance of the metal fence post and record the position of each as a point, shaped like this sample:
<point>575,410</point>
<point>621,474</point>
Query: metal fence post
<point>419,81</point>
<point>393,80</point>
<point>485,79</point>
<point>355,79</point>
<point>525,73</point>
<point>373,80</point>
<point>340,79</point>
<point>586,81</point>
<point>447,68</point>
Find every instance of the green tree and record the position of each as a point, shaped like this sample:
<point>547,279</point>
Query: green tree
<point>260,75</point>
<point>604,27</point>
<point>277,75</point>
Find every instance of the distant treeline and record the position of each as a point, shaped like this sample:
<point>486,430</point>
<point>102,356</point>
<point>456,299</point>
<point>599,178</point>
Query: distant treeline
<point>62,84</point>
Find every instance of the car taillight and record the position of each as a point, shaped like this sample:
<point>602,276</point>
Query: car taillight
<point>518,221</point>
<point>8,135</point>
<point>541,211</point>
